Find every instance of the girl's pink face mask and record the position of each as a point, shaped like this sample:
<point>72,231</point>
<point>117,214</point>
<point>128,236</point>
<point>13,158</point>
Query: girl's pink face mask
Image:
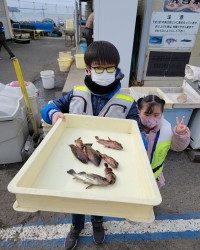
<point>150,122</point>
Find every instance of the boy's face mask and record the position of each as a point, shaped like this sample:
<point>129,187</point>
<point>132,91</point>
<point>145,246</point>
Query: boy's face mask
<point>103,79</point>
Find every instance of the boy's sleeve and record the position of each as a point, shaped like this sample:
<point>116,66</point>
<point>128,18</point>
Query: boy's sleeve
<point>133,112</point>
<point>58,105</point>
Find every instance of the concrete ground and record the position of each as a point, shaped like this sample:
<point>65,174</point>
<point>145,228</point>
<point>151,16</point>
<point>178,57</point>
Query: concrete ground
<point>181,195</point>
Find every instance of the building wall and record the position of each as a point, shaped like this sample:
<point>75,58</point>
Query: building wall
<point>170,81</point>
<point>114,21</point>
<point>4,18</point>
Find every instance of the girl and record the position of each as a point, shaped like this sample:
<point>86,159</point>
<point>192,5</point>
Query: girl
<point>158,135</point>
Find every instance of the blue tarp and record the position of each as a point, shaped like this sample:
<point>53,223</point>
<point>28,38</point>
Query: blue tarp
<point>46,27</point>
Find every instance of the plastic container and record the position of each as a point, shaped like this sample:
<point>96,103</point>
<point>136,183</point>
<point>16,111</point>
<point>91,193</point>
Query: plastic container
<point>12,90</point>
<point>43,184</point>
<point>83,47</point>
<point>80,62</point>
<point>194,128</point>
<point>65,54</point>
<point>192,72</point>
<point>138,92</point>
<point>48,79</point>
<point>2,86</point>
<point>64,64</point>
<point>176,95</point>
<point>13,130</point>
<point>46,127</point>
<point>171,114</point>
<point>69,25</point>
<point>15,88</point>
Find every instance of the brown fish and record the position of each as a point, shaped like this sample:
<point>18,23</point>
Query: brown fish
<point>110,176</point>
<point>109,143</point>
<point>108,159</point>
<point>79,143</point>
<point>92,155</point>
<point>91,179</point>
<point>79,153</point>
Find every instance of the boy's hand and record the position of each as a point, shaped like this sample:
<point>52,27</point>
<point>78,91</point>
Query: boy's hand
<point>56,116</point>
<point>181,128</point>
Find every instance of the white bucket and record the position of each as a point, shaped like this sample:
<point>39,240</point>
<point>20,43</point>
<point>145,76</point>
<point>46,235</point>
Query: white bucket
<point>48,79</point>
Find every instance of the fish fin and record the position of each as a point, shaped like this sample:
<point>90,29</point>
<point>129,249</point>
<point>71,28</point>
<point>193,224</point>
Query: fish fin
<point>82,172</point>
<point>109,139</point>
<point>71,171</point>
<point>99,153</point>
<point>91,185</point>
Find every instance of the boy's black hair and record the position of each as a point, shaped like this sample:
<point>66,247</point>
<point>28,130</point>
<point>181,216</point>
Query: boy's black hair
<point>151,101</point>
<point>102,53</point>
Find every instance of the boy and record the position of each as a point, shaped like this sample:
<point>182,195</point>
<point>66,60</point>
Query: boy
<point>101,96</point>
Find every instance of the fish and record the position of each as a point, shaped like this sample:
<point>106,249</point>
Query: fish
<point>109,143</point>
<point>79,143</point>
<point>171,40</point>
<point>186,40</point>
<point>155,40</point>
<point>110,176</point>
<point>79,153</point>
<point>109,160</point>
<point>92,155</point>
<point>91,179</point>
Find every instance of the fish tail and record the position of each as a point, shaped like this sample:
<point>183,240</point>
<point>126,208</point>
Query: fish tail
<point>71,171</point>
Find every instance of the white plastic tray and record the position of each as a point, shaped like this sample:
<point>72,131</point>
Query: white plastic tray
<point>43,184</point>
<point>138,92</point>
<point>193,98</point>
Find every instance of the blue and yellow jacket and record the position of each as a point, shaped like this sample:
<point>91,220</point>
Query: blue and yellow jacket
<point>98,102</point>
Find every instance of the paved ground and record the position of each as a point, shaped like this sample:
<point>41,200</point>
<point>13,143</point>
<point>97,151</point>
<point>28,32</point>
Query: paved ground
<point>34,57</point>
<point>177,223</point>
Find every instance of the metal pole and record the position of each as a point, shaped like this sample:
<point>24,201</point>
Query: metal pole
<point>25,94</point>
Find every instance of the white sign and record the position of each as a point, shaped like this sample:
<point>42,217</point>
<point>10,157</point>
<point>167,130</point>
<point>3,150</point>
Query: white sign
<point>163,23</point>
<point>173,30</point>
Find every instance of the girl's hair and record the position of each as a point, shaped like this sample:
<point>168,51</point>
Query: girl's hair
<point>150,101</point>
<point>102,53</point>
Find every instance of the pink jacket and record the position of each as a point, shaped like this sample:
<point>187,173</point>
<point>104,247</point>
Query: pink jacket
<point>179,142</point>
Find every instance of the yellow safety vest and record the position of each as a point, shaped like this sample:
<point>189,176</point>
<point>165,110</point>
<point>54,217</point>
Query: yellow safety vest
<point>162,147</point>
<point>118,106</point>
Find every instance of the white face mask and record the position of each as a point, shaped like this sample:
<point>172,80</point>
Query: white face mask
<point>103,79</point>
